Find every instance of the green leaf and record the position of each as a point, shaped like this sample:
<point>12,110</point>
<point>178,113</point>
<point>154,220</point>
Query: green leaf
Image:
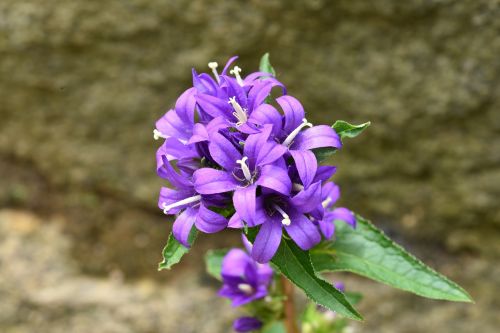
<point>265,65</point>
<point>173,251</point>
<point>274,327</point>
<point>346,130</point>
<point>368,252</point>
<point>323,153</point>
<point>295,264</point>
<point>213,262</point>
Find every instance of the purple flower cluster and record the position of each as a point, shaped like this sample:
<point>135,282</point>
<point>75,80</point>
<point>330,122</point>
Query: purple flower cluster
<point>228,144</point>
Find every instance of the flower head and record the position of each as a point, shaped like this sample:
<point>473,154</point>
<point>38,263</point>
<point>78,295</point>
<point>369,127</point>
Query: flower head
<point>227,145</point>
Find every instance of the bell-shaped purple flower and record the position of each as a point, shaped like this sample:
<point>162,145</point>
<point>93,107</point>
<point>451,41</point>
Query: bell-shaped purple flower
<point>330,195</point>
<point>244,279</point>
<point>191,206</point>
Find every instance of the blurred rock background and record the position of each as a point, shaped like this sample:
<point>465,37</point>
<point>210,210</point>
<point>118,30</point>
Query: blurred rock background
<point>82,82</point>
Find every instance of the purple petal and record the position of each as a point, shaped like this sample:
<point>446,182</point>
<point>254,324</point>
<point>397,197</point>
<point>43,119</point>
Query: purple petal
<point>214,106</point>
<point>308,199</point>
<point>174,149</point>
<point>246,324</point>
<point>172,125</point>
<point>275,178</point>
<point>260,91</point>
<point>304,233</point>
<point>316,137</point>
<point>324,173</point>
<point>269,153</point>
<point>306,164</point>
<point>265,273</point>
<point>345,215</point>
<point>254,143</point>
<point>235,90</point>
<point>235,262</point>
<point>235,222</point>
<point>330,191</point>
<point>203,83</point>
<point>267,114</point>
<point>293,110</point>
<point>173,177</point>
<point>185,106</point>
<point>209,221</point>
<point>228,63</point>
<point>183,225</point>
<point>267,241</point>
<point>169,196</point>
<point>211,181</point>
<point>327,227</point>
<point>244,203</point>
<point>223,152</point>
<point>260,212</point>
<point>246,243</point>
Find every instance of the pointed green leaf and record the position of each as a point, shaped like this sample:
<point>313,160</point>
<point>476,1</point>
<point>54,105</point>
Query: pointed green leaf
<point>173,251</point>
<point>323,153</point>
<point>368,252</point>
<point>346,130</point>
<point>295,264</point>
<point>265,65</point>
<point>213,262</point>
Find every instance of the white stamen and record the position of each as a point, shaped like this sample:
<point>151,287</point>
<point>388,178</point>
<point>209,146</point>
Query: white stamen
<point>326,202</point>
<point>246,288</point>
<point>213,66</point>
<point>236,72</point>
<point>286,219</point>
<point>182,202</point>
<point>239,113</point>
<point>157,134</point>
<point>297,187</point>
<point>296,131</point>
<point>244,168</point>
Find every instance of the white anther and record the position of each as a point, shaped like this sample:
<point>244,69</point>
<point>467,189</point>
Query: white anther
<point>291,136</point>
<point>326,202</point>
<point>245,288</point>
<point>213,66</point>
<point>236,72</point>
<point>244,168</point>
<point>157,134</point>
<point>239,113</point>
<point>286,219</point>
<point>182,202</point>
<point>297,187</point>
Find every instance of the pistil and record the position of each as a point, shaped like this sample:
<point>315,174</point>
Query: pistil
<point>286,219</point>
<point>239,113</point>
<point>213,66</point>
<point>182,202</point>
<point>245,288</point>
<point>297,187</point>
<point>326,202</point>
<point>236,72</point>
<point>245,169</point>
<point>157,134</point>
<point>291,136</point>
